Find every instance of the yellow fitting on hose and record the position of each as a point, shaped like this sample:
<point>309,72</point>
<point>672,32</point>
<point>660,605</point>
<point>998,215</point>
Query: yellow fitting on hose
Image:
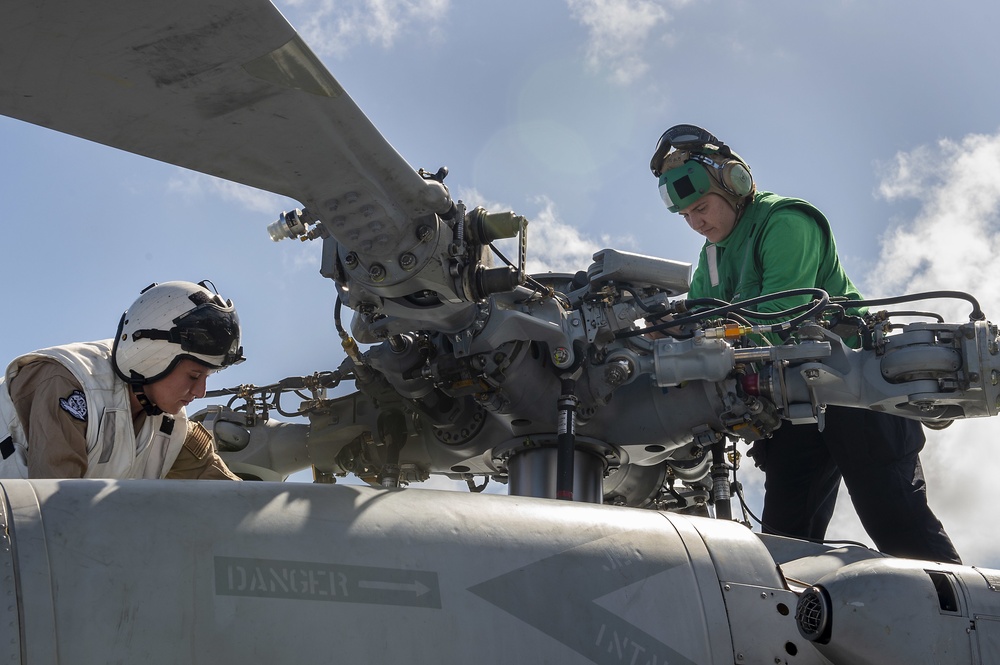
<point>351,349</point>
<point>728,331</point>
<point>362,372</point>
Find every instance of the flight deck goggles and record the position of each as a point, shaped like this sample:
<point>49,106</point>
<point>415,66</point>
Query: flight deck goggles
<point>684,137</point>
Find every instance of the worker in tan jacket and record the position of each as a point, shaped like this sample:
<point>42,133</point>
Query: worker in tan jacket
<point>116,408</point>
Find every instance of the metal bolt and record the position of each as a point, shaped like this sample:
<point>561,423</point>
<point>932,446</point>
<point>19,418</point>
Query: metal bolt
<point>560,355</point>
<point>351,260</point>
<point>812,374</point>
<point>615,374</point>
<point>377,272</point>
<point>407,261</point>
<point>423,232</point>
<point>618,371</point>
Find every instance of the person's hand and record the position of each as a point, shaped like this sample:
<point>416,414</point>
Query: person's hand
<point>660,334</point>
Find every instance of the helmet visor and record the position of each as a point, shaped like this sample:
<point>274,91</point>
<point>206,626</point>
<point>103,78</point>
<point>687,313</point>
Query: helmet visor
<point>682,186</point>
<point>210,330</point>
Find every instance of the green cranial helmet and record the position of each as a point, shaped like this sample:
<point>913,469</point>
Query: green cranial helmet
<point>690,163</point>
<point>688,176</point>
<point>683,181</point>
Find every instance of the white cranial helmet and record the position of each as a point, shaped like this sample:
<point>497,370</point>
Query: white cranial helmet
<point>171,321</point>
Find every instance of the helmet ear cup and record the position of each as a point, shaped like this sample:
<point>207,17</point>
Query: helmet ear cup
<point>729,171</point>
<point>735,177</point>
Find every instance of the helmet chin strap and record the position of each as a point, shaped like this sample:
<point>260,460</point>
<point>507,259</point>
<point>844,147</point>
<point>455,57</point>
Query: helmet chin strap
<point>137,384</point>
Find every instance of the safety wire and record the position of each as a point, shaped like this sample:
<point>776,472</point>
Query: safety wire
<point>538,288</point>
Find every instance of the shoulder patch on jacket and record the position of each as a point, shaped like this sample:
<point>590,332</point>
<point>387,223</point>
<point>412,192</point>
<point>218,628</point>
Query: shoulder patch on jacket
<point>75,405</point>
<point>198,441</point>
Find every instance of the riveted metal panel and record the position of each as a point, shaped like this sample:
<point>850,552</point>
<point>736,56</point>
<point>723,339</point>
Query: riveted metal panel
<point>987,637</point>
<point>10,625</point>
<point>32,573</point>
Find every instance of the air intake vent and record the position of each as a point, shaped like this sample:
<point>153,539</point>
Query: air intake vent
<point>812,615</point>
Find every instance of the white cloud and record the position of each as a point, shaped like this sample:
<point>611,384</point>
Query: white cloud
<point>198,186</point>
<point>955,238</point>
<point>191,184</point>
<point>332,27</point>
<point>554,245</point>
<point>619,32</point>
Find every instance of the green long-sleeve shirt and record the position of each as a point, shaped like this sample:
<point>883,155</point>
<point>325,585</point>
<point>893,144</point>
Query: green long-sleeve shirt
<point>778,244</point>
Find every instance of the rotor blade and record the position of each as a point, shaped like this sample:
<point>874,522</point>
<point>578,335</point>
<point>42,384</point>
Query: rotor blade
<point>225,87</point>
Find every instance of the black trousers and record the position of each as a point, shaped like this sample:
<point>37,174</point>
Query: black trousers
<point>877,455</point>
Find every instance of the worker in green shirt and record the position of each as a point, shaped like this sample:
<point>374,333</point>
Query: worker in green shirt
<point>759,243</point>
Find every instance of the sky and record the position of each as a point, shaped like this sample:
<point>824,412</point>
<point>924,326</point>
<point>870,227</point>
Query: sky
<point>883,113</point>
